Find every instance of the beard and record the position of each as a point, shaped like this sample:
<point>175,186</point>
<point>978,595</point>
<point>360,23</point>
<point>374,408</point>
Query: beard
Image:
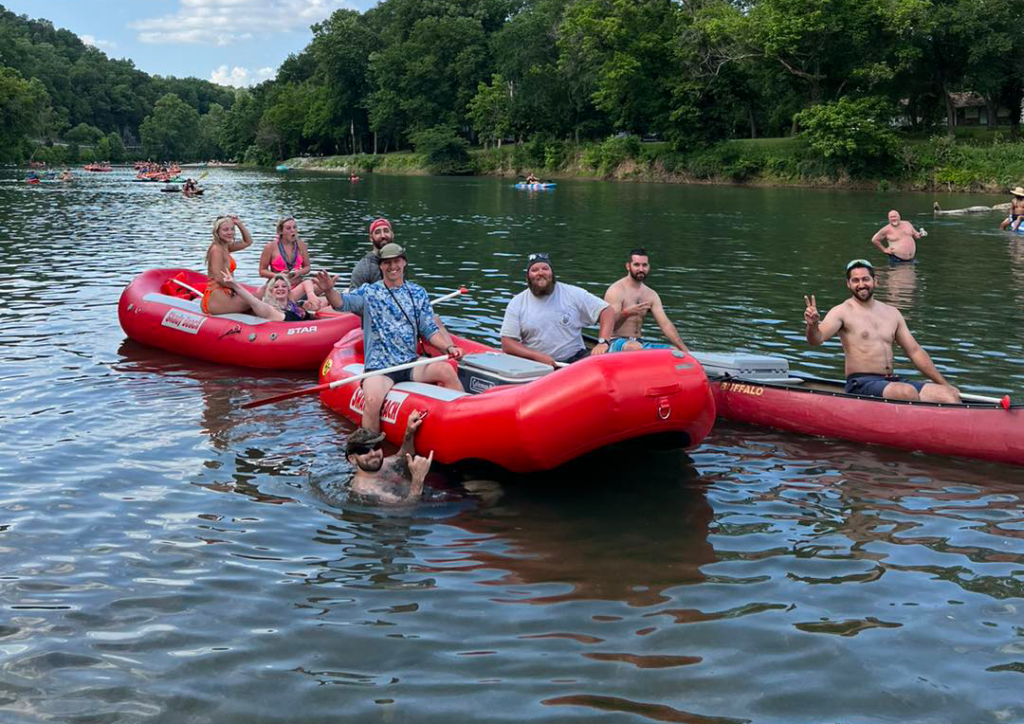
<point>864,295</point>
<point>539,291</point>
<point>638,276</point>
<point>371,466</point>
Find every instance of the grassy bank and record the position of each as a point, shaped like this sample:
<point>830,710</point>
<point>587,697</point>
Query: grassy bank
<point>976,160</point>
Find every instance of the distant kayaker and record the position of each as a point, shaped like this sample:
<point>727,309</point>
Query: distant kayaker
<point>390,480</point>
<point>1016,209</point>
<point>189,188</point>
<point>867,328</point>
<point>631,299</point>
<point>396,315</point>
<point>531,179</point>
<point>901,237</point>
<point>288,254</point>
<point>367,270</point>
<point>545,321</point>
<point>218,299</point>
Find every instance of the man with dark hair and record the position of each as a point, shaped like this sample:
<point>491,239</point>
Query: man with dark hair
<point>393,480</point>
<point>545,321</point>
<point>631,299</point>
<point>396,316</point>
<point>867,329</point>
<point>367,270</point>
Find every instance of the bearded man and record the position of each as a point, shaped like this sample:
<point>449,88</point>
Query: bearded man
<point>632,299</point>
<point>867,328</point>
<point>545,321</point>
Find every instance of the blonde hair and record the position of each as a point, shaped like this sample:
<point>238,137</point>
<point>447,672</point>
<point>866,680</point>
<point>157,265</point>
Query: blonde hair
<point>268,297</point>
<point>282,222</point>
<point>216,239</point>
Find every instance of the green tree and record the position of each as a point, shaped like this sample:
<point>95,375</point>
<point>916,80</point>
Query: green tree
<point>490,110</point>
<point>22,111</point>
<point>856,134</point>
<point>115,148</point>
<point>445,151</point>
<point>170,131</point>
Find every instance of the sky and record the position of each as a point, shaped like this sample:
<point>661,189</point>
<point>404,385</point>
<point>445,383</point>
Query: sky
<point>231,42</point>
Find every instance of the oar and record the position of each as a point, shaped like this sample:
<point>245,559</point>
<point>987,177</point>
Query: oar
<point>345,381</point>
<point>1003,402</point>
<point>186,286</point>
<point>446,297</point>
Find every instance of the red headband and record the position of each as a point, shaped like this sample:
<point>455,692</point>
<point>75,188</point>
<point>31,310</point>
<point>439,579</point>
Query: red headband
<point>379,223</point>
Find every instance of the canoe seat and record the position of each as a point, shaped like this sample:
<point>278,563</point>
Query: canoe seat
<point>191,306</point>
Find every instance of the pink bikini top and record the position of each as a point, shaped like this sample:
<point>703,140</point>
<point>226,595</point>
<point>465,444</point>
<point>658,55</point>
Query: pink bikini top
<point>280,263</point>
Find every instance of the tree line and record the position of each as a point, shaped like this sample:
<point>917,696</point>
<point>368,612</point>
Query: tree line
<point>847,74</point>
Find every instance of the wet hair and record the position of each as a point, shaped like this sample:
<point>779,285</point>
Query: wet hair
<point>638,251</point>
<point>268,297</point>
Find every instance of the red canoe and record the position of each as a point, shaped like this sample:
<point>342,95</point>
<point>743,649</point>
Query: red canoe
<point>523,416</point>
<point>745,392</point>
<point>152,312</point>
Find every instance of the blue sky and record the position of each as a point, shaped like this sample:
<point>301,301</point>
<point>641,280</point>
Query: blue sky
<point>232,42</point>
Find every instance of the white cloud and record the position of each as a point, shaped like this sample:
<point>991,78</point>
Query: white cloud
<point>223,22</point>
<point>240,77</point>
<point>101,44</point>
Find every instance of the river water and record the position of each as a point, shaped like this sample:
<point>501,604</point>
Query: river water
<point>168,557</point>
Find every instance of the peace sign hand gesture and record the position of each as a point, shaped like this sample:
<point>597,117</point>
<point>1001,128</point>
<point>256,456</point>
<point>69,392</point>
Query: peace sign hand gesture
<point>811,315</point>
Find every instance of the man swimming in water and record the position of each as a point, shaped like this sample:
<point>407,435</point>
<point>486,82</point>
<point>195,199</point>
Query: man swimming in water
<point>867,329</point>
<point>390,480</point>
<point>901,237</point>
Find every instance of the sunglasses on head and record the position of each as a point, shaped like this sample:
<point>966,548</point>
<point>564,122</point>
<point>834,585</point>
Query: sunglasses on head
<point>859,262</point>
<point>539,256</point>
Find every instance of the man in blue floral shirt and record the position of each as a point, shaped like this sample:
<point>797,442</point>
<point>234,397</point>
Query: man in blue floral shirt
<point>396,315</point>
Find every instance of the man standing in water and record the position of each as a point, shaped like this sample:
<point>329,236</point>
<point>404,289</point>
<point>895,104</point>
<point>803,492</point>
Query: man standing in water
<point>901,237</point>
<point>545,322</point>
<point>867,329</point>
<point>631,300</point>
<point>394,480</point>
<point>367,270</point>
<point>396,315</point>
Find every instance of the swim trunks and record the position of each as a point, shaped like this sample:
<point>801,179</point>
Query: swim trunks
<point>868,385</point>
<point>893,259</point>
<point>618,343</point>
<point>396,377</point>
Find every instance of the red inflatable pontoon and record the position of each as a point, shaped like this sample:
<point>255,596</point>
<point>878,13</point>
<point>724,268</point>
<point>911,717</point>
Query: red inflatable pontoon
<point>151,312</point>
<point>745,391</point>
<point>523,416</point>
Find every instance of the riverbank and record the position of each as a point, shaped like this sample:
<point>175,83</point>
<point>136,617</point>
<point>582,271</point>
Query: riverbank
<point>973,164</point>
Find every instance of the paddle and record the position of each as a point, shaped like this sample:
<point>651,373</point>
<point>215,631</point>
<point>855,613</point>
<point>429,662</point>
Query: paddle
<point>1003,402</point>
<point>446,297</point>
<point>337,383</point>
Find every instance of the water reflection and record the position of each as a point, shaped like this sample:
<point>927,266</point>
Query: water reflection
<point>899,284</point>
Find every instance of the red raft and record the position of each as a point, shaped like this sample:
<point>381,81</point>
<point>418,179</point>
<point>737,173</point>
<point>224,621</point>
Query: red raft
<point>760,391</point>
<point>156,311</point>
<point>525,417</point>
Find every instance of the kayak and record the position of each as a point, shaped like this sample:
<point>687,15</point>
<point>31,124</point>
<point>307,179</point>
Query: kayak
<point>524,416</point>
<point>281,167</point>
<point>524,185</point>
<point>156,311</point>
<point>761,391</point>
<point>97,168</point>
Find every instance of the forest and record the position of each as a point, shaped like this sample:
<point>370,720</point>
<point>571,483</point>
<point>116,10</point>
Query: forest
<point>855,82</point>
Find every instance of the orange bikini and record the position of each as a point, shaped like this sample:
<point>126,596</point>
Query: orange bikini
<point>212,285</point>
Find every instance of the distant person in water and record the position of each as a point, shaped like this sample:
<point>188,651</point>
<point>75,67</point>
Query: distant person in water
<point>1016,210</point>
<point>631,299</point>
<point>531,179</point>
<point>867,328</point>
<point>900,237</point>
<point>390,480</point>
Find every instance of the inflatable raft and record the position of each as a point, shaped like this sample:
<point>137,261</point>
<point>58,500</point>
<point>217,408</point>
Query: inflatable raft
<point>524,416</point>
<point>761,391</point>
<point>156,311</point>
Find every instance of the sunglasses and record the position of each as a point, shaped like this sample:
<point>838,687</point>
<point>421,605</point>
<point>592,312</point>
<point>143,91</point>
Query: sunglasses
<point>539,256</point>
<point>859,262</point>
<point>364,449</point>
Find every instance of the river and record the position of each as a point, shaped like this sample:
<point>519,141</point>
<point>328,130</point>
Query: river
<point>166,556</point>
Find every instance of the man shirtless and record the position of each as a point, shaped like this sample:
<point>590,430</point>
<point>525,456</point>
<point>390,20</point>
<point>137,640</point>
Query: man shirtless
<point>1016,209</point>
<point>901,237</point>
<point>867,329</point>
<point>631,300</point>
<point>394,480</point>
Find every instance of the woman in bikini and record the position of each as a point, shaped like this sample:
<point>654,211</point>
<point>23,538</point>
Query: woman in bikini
<point>276,304</point>
<point>217,298</point>
<point>287,254</point>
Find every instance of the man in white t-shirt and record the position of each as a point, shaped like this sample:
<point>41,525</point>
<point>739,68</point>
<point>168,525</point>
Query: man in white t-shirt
<point>545,322</point>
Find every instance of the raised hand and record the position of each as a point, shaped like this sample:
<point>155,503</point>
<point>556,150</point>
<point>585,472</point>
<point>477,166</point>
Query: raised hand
<point>811,315</point>
<point>226,278</point>
<point>415,420</point>
<point>419,466</point>
<point>325,281</point>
